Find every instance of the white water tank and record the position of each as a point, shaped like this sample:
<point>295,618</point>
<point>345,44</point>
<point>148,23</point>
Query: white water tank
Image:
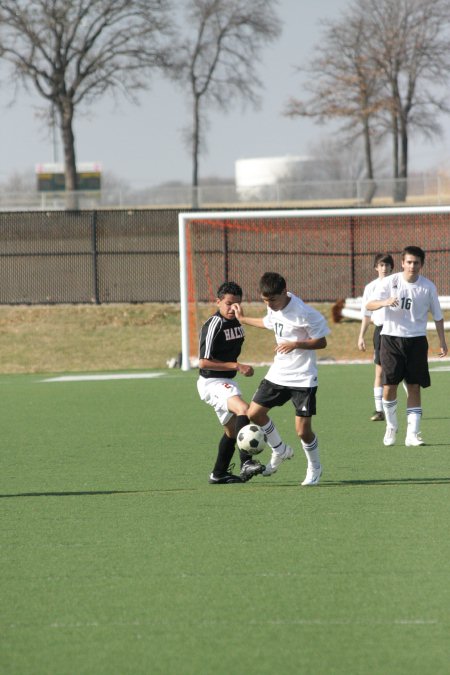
<point>254,176</point>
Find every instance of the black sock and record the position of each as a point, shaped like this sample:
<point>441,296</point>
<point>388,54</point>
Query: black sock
<point>224,455</point>
<point>242,421</point>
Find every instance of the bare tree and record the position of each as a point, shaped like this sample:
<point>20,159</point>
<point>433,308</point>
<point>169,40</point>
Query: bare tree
<point>340,160</point>
<point>73,51</point>
<point>19,183</point>
<point>381,67</point>
<point>344,84</point>
<point>219,58</point>
<point>408,43</point>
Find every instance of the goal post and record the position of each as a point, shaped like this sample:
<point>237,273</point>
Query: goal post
<point>324,254</point>
<point>185,356</point>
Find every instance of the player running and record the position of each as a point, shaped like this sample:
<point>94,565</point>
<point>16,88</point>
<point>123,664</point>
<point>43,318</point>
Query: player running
<point>299,331</point>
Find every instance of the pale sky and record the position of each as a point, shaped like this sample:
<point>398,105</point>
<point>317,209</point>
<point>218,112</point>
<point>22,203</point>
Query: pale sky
<point>143,144</point>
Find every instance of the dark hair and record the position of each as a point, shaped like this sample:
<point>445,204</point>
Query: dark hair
<point>229,288</point>
<point>385,258</point>
<point>414,250</point>
<point>271,283</point>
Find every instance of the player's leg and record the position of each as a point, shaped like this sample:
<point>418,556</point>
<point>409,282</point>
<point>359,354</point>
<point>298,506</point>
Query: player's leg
<point>413,415</point>
<point>304,401</point>
<point>390,405</point>
<point>221,471</point>
<point>393,363</point>
<point>249,467</point>
<point>268,396</point>
<point>239,408</point>
<point>378,415</point>
<point>216,392</point>
<point>413,395</point>
<point>417,376</point>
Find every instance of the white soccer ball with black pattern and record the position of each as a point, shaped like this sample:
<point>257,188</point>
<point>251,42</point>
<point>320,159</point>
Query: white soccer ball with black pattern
<point>251,439</point>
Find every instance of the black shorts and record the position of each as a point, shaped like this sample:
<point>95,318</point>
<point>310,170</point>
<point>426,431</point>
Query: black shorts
<point>377,345</point>
<point>405,359</point>
<point>270,395</point>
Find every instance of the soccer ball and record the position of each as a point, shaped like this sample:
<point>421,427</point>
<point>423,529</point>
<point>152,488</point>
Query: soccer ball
<point>251,439</point>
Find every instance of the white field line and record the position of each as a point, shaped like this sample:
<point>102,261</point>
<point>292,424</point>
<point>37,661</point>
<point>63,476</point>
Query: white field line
<point>103,377</point>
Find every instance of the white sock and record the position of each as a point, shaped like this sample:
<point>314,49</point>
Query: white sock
<point>378,397</point>
<point>274,440</point>
<point>413,417</point>
<point>390,413</point>
<point>312,453</point>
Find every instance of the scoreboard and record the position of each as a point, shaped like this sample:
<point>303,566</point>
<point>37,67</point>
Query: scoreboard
<point>50,177</point>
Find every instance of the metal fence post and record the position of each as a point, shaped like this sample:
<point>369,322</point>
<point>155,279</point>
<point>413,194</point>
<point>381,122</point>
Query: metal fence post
<point>94,257</point>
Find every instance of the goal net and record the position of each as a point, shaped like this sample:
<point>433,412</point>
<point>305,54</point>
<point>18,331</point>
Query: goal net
<point>324,254</point>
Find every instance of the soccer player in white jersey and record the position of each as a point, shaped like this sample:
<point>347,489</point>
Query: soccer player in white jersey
<point>407,298</point>
<point>383,264</point>
<point>299,331</point>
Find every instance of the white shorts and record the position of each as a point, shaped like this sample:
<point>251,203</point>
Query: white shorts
<point>216,392</point>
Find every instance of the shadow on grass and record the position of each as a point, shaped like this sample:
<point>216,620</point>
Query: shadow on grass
<point>386,481</point>
<point>389,481</point>
<point>90,493</point>
<point>445,480</point>
<point>430,417</point>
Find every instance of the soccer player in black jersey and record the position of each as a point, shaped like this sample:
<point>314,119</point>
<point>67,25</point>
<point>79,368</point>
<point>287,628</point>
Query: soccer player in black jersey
<point>221,339</point>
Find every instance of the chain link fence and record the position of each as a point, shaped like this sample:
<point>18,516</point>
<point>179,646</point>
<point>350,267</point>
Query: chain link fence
<point>89,257</point>
<point>108,256</point>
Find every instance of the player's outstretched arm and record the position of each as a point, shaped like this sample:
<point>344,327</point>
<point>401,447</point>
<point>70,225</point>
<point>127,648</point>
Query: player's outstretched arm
<point>247,320</point>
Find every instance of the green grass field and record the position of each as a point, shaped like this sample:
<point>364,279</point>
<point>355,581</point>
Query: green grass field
<point>118,557</point>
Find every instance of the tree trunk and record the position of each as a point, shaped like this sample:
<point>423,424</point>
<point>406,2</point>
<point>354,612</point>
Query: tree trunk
<point>403,173</point>
<point>371,186</point>
<point>398,189</point>
<point>195,151</point>
<point>70,166</point>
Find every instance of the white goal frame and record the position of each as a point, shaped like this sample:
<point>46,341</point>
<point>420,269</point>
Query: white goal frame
<point>185,217</point>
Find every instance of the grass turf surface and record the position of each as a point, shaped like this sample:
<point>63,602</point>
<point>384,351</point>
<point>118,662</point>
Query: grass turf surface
<point>118,557</point>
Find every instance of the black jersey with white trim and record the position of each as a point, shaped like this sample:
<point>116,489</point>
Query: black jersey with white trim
<point>220,339</point>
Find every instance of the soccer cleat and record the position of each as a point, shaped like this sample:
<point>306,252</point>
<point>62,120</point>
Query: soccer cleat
<point>313,475</point>
<point>378,416</point>
<point>276,459</point>
<point>413,439</point>
<point>227,477</point>
<point>251,468</point>
<point>389,436</point>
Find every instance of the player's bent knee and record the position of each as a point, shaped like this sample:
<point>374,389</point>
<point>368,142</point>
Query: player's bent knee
<point>237,406</point>
<point>259,417</point>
